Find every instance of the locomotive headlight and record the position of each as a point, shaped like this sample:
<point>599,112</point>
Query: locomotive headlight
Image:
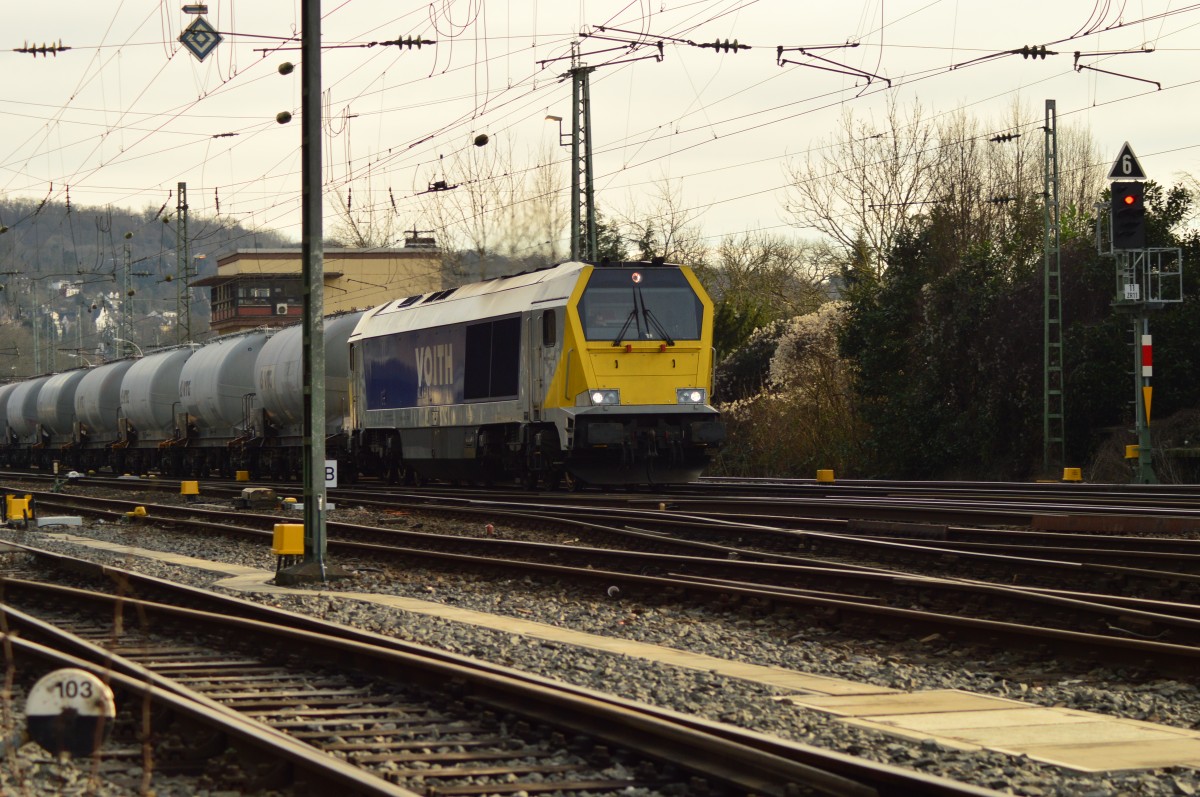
<point>691,395</point>
<point>604,397</point>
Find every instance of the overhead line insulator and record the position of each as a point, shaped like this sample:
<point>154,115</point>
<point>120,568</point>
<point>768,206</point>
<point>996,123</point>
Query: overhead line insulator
<point>724,46</point>
<point>407,42</point>
<point>1034,51</point>
<point>42,50</point>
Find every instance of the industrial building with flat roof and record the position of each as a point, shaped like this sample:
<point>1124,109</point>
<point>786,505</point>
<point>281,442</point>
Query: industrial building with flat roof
<point>265,287</point>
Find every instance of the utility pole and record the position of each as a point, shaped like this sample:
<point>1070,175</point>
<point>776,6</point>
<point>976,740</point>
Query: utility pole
<point>583,205</point>
<point>37,323</point>
<point>183,268</point>
<point>1053,382</point>
<point>125,321</point>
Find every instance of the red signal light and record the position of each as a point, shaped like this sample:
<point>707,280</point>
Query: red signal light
<point>1128,215</point>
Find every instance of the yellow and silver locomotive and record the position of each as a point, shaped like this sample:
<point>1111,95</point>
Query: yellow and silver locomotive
<point>576,373</point>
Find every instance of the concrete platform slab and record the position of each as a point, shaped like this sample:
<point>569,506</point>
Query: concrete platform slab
<point>1112,756</point>
<point>1099,731</point>
<point>952,721</point>
<point>930,702</point>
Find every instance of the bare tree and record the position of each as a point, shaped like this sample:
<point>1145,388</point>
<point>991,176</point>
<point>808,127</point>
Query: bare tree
<point>547,208</point>
<point>665,227</point>
<point>1009,173</point>
<point>1081,173</point>
<point>868,183</point>
<point>483,203</point>
<point>363,219</point>
<point>783,277</point>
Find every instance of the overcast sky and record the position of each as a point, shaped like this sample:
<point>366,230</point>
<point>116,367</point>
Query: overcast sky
<point>127,113</point>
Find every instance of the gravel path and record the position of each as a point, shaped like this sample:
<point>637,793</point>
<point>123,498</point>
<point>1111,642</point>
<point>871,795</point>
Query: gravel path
<point>733,635</point>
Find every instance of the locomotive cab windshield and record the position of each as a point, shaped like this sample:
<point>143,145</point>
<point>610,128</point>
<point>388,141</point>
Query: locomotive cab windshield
<point>621,304</point>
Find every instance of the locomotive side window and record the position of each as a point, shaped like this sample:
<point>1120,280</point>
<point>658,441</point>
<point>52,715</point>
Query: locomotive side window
<point>549,329</point>
<point>493,359</point>
<point>651,304</point>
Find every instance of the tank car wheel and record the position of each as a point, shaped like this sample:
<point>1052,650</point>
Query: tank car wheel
<point>529,480</point>
<point>415,479</point>
<point>553,479</point>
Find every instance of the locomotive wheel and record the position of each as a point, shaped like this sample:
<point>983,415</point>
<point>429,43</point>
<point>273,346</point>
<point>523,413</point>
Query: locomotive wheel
<point>553,479</point>
<point>574,483</point>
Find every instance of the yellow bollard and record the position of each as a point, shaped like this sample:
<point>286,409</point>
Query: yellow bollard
<point>287,543</point>
<point>825,476</point>
<point>16,507</point>
<point>189,490</point>
<point>288,539</point>
<point>1072,475</point>
<point>242,476</point>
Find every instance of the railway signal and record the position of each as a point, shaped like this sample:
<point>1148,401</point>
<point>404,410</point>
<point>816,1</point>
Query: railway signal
<point>1129,215</point>
<point>1148,278</point>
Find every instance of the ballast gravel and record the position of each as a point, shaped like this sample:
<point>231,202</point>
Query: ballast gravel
<point>730,634</point>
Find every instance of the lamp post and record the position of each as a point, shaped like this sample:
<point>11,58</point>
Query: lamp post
<point>131,343</point>
<point>78,356</point>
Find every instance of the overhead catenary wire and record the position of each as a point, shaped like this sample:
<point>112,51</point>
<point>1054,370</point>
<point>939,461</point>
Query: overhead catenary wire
<point>383,171</point>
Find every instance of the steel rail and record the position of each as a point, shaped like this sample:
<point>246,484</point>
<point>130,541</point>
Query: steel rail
<point>694,550</point>
<point>600,712</point>
<point>1099,611</point>
<point>765,767</point>
<point>1167,657</point>
<point>127,677</point>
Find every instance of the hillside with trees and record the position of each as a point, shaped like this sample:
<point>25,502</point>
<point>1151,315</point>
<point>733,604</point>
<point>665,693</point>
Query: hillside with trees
<point>62,286</point>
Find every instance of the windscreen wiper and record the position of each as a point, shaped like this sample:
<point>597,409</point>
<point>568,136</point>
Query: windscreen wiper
<point>621,335</point>
<point>652,321</point>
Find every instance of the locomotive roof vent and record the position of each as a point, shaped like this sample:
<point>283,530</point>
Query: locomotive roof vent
<point>437,297</point>
<point>658,260</point>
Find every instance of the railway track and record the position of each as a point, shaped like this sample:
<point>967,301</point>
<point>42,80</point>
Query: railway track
<point>1082,623</point>
<point>415,719</point>
<point>1103,508</point>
